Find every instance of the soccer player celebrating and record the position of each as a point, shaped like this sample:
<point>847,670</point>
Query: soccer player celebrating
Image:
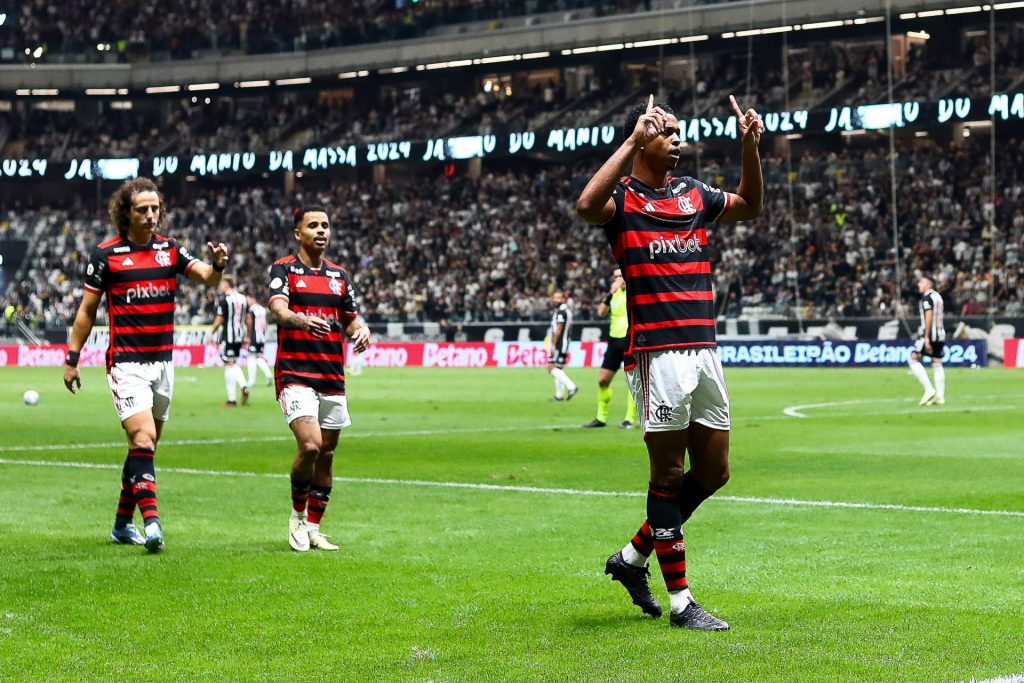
<point>138,270</point>
<point>230,321</point>
<point>313,303</point>
<point>614,304</point>
<point>931,343</point>
<point>657,226</point>
<point>560,334</point>
<point>256,321</point>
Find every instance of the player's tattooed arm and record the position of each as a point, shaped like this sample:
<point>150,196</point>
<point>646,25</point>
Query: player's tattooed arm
<point>285,317</point>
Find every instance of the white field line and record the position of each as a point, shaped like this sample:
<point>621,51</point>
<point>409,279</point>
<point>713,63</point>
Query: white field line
<point>788,502</point>
<point>797,411</point>
<point>792,411</point>
<point>283,437</point>
<point>1010,678</point>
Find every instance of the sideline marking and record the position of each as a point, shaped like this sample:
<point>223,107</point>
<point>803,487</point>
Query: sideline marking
<point>792,502</point>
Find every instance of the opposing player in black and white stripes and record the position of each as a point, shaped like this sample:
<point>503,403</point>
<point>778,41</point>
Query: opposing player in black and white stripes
<point>931,343</point>
<point>256,321</point>
<point>658,227</point>
<point>230,322</point>
<point>559,336</point>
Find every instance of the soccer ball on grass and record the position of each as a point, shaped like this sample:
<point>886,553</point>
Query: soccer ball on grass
<point>30,397</point>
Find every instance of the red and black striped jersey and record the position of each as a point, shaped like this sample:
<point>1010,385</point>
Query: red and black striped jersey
<point>327,293</point>
<point>139,282</point>
<point>659,239</point>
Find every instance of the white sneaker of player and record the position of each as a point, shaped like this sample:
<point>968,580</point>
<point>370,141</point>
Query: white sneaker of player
<point>298,535</point>
<point>940,401</point>
<point>928,398</point>
<point>318,540</point>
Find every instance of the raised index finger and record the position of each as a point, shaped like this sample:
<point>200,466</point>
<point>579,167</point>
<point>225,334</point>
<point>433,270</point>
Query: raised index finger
<point>735,107</point>
<point>650,103</point>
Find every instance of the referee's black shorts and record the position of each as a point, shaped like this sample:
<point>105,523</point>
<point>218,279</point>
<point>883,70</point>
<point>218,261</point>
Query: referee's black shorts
<point>614,353</point>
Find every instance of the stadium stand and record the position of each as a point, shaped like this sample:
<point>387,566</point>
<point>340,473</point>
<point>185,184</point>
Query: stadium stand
<point>490,245</point>
<point>138,30</point>
<point>493,249</point>
<point>821,73</point>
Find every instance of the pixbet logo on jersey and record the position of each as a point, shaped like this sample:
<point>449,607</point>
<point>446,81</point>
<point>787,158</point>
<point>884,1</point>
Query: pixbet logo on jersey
<point>679,245</point>
<point>146,290</point>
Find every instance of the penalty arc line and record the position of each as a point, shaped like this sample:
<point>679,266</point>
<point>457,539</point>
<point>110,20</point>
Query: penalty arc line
<point>782,502</point>
<point>797,410</point>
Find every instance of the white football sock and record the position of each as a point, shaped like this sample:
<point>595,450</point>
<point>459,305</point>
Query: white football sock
<point>920,373</point>
<point>559,374</point>
<point>229,382</point>
<point>264,367</point>
<point>940,381</point>
<point>679,600</point>
<point>250,366</point>
<point>559,392</point>
<point>631,556</point>
<point>240,376</point>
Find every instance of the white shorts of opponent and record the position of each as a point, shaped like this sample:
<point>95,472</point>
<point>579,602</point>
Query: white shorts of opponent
<point>136,387</point>
<point>674,387</point>
<point>301,401</point>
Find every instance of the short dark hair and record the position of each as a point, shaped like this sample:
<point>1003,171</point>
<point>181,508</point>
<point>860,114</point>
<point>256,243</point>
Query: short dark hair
<point>301,211</point>
<point>634,115</point>
<point>120,204</point>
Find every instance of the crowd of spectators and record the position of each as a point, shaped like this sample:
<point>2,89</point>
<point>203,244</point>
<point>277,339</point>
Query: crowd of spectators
<point>495,248</point>
<point>819,73</point>
<point>183,29</point>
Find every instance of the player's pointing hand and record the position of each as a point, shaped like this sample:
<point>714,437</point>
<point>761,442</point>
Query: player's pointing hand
<point>750,124</point>
<point>650,125</point>
<point>218,253</point>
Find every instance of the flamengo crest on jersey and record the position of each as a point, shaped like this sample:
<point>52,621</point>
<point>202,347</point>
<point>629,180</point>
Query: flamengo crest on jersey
<point>659,239</point>
<point>327,293</point>
<point>139,283</point>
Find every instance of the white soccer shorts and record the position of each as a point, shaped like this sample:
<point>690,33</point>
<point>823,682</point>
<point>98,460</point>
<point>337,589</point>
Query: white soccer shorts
<point>674,387</point>
<point>136,387</point>
<point>331,410</point>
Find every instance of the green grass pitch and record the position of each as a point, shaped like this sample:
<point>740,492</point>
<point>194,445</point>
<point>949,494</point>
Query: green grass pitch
<point>460,562</point>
